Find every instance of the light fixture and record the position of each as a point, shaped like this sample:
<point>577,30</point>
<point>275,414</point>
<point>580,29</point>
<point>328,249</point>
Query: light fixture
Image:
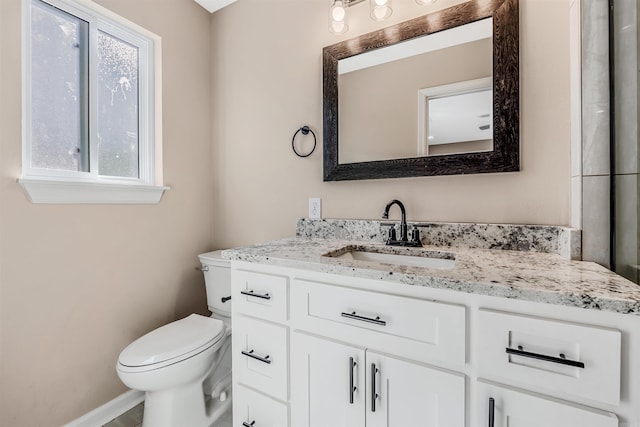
<point>379,11</point>
<point>337,17</point>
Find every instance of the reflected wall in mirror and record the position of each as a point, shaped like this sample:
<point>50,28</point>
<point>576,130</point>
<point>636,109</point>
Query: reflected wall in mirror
<point>436,95</point>
<point>456,118</point>
<point>382,92</point>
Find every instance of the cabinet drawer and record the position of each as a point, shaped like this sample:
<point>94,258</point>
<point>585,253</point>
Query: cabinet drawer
<point>260,356</point>
<point>413,328</point>
<point>511,407</point>
<point>559,357</point>
<point>252,407</point>
<point>260,295</point>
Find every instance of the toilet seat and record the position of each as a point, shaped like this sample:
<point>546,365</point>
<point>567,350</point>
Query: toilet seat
<point>172,343</point>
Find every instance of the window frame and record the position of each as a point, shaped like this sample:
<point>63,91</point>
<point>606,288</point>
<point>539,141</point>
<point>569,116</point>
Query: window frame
<point>60,186</point>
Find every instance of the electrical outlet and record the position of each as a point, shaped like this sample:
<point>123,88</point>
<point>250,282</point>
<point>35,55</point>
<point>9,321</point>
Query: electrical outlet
<point>315,208</point>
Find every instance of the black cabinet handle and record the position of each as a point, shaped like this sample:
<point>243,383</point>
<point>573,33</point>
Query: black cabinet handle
<point>354,316</point>
<point>250,354</point>
<point>492,409</point>
<point>246,424</point>
<point>253,294</point>
<point>225,299</point>
<point>561,360</point>
<point>352,388</point>
<point>374,395</point>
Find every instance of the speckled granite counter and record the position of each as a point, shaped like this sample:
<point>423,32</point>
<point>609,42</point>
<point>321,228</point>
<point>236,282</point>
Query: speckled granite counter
<point>530,276</point>
<point>551,239</point>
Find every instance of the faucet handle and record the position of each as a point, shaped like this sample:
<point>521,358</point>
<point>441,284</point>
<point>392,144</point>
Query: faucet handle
<point>415,234</point>
<point>392,233</point>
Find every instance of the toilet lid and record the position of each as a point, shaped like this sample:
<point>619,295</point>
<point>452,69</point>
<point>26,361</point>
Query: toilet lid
<point>173,341</point>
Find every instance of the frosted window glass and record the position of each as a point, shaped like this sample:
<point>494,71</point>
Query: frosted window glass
<point>117,107</point>
<point>58,76</point>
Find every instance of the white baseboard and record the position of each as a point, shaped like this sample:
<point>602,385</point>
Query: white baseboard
<point>110,410</point>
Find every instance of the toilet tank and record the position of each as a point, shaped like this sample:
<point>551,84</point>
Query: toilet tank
<point>217,280</point>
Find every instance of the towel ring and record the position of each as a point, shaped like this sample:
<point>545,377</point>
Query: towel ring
<point>305,131</point>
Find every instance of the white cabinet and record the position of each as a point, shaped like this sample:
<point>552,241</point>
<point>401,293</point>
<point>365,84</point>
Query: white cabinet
<point>260,349</point>
<point>506,407</point>
<point>559,357</point>
<point>418,329</point>
<point>260,295</point>
<point>329,386</point>
<point>410,394</point>
<point>260,357</point>
<point>319,350</point>
<point>341,385</point>
<point>257,410</point>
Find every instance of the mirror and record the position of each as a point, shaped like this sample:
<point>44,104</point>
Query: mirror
<point>437,95</point>
<point>456,118</point>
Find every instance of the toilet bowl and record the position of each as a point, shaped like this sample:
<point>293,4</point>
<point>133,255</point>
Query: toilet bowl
<point>184,367</point>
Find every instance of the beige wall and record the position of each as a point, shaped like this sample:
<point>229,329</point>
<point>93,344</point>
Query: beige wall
<point>78,283</point>
<point>267,82</point>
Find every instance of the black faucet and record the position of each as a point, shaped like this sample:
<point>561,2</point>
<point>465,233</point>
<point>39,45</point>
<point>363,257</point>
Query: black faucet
<point>404,240</point>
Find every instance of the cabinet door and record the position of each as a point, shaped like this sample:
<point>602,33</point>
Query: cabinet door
<point>328,387</point>
<point>409,394</point>
<point>506,407</point>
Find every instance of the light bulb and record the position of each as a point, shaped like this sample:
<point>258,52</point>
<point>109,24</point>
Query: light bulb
<point>337,16</point>
<point>380,12</point>
<point>339,27</point>
<point>337,12</point>
<point>380,9</point>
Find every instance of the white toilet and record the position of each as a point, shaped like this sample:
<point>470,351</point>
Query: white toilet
<point>184,367</point>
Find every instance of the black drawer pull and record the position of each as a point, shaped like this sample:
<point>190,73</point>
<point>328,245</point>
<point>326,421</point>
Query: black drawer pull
<point>253,294</point>
<point>246,424</point>
<point>561,360</point>
<point>250,354</point>
<point>374,395</point>
<point>225,299</point>
<point>492,410</point>
<point>352,388</point>
<point>354,316</point>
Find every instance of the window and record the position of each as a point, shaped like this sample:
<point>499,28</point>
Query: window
<point>91,106</point>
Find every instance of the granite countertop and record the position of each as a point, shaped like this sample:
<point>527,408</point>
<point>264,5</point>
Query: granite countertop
<point>530,276</point>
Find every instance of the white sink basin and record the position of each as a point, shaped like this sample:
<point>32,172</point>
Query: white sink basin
<point>437,260</point>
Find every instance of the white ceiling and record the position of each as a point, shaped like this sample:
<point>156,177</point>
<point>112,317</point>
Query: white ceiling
<point>213,5</point>
<point>478,30</point>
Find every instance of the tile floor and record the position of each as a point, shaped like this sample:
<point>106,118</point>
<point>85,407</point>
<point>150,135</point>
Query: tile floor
<point>133,418</point>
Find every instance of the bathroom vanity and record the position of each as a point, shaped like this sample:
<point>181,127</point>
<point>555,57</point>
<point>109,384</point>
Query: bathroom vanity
<point>324,336</point>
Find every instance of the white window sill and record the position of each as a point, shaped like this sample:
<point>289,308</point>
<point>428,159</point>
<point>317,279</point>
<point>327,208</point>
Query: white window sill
<point>51,191</point>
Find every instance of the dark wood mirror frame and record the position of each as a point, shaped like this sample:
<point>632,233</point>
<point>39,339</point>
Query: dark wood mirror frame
<point>505,156</point>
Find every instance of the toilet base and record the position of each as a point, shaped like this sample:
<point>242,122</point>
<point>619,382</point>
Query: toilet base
<point>217,408</point>
<point>184,406</point>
